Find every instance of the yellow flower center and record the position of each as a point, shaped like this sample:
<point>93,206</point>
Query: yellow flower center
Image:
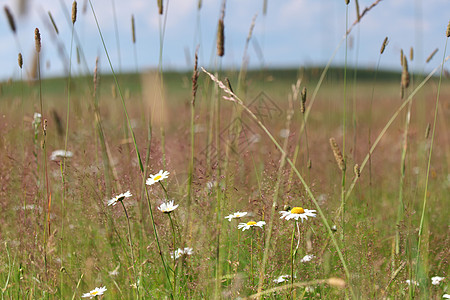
<point>251,223</point>
<point>94,293</point>
<point>297,210</point>
<point>157,177</point>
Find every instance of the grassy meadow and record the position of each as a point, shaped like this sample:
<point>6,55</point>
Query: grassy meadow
<point>357,158</point>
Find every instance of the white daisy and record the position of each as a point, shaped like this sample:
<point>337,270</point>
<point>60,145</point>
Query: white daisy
<point>282,278</point>
<point>436,280</point>
<point>188,251</point>
<point>307,258</point>
<point>236,215</point>
<point>177,254</point>
<point>157,177</point>
<point>60,154</point>
<point>167,207</point>
<point>248,225</point>
<point>95,292</point>
<point>180,252</point>
<point>410,282</point>
<point>120,197</point>
<point>446,296</point>
<point>298,212</point>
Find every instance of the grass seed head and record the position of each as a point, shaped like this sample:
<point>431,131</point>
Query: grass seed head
<point>431,55</point>
<point>427,131</point>
<point>53,22</point>
<point>383,46</point>
<point>411,54</point>
<point>303,102</point>
<point>356,170</point>
<point>96,76</point>
<point>401,57</point>
<point>195,77</point>
<point>337,154</point>
<point>447,33</point>
<point>220,38</point>
<point>74,12</point>
<point>405,73</point>
<point>20,60</point>
<point>37,40</point>
<point>160,7</point>
<point>133,30</point>
<point>10,18</point>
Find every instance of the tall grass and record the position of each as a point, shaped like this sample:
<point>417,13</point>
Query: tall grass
<point>222,156</point>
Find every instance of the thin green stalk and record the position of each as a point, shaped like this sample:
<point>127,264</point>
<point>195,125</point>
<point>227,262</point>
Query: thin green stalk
<point>251,257</point>
<point>141,167</point>
<point>401,205</point>
<point>344,120</point>
<point>292,259</point>
<point>162,32</point>
<point>232,97</point>
<point>116,34</point>
<point>174,257</point>
<point>9,270</point>
<point>131,249</point>
<point>425,196</point>
<point>389,123</point>
<point>63,165</point>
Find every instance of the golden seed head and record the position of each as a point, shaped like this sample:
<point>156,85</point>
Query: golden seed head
<point>383,47</point>
<point>402,57</point>
<point>74,12</point>
<point>37,40</point>
<point>160,7</point>
<point>431,55</point>
<point>405,78</point>
<point>337,154</point>
<point>220,38</point>
<point>357,170</point>
<point>20,60</point>
<point>347,2</point>
<point>303,102</point>
<point>10,18</point>
<point>405,74</point>
<point>133,30</point>
<point>447,33</point>
<point>411,54</point>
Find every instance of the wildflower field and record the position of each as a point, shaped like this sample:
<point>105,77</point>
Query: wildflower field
<point>215,183</point>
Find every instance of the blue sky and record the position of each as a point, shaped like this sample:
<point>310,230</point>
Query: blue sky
<point>293,33</point>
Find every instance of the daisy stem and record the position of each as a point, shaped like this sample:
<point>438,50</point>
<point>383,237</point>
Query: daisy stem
<point>131,247</point>
<point>292,259</point>
<point>251,257</point>
<point>165,191</point>
<point>174,257</point>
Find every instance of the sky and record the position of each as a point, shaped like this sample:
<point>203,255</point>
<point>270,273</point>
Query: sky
<point>292,33</point>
